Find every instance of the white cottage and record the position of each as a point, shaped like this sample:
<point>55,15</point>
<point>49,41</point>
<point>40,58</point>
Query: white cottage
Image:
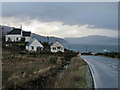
<point>56,47</point>
<point>34,45</point>
<point>16,34</point>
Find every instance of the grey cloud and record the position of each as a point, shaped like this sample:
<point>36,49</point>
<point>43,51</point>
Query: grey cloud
<point>101,15</point>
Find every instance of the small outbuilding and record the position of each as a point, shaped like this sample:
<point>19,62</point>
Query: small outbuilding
<point>34,45</point>
<point>57,47</point>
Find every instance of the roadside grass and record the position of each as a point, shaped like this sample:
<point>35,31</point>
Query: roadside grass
<point>109,54</point>
<point>74,76</point>
<point>22,69</point>
<point>82,73</point>
<point>19,71</point>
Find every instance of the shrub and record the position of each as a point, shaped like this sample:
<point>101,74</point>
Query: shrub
<point>47,51</point>
<point>110,54</point>
<point>52,60</point>
<point>23,39</point>
<point>69,54</point>
<point>46,45</point>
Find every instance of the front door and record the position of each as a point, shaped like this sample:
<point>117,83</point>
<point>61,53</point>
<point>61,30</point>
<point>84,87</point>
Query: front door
<point>38,49</point>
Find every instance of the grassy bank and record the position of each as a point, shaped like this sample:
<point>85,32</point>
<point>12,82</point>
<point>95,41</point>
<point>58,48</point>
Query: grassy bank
<point>19,70</point>
<point>72,77</point>
<point>42,70</point>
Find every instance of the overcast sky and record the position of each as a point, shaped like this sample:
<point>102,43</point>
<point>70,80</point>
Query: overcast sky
<point>63,19</point>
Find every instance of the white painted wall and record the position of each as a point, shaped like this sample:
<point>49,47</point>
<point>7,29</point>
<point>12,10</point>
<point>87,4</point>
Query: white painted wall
<point>27,39</point>
<point>35,44</point>
<point>57,50</point>
<point>56,45</point>
<point>13,38</point>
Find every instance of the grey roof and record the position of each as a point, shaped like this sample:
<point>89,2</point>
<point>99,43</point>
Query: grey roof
<point>30,42</point>
<point>26,34</point>
<point>15,31</point>
<point>57,43</point>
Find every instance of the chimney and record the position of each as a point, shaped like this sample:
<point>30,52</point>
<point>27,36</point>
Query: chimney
<point>21,27</point>
<point>12,28</point>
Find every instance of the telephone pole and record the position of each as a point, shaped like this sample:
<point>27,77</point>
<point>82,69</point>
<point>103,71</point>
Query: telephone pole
<point>86,48</point>
<point>48,39</point>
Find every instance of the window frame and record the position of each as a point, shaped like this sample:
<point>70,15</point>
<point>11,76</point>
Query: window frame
<point>53,48</point>
<point>32,47</point>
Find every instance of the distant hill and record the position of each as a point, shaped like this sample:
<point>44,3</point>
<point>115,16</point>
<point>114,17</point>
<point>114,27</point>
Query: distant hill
<point>51,39</point>
<point>93,39</point>
<point>6,29</point>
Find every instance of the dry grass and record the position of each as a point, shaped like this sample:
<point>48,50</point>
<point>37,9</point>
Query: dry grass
<point>74,76</point>
<point>20,69</point>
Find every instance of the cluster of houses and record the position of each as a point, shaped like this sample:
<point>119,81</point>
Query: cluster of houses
<point>17,35</point>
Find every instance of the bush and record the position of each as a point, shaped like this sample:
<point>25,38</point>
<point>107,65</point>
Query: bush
<point>69,54</point>
<point>110,54</point>
<point>52,60</point>
<point>23,39</point>
<point>46,45</point>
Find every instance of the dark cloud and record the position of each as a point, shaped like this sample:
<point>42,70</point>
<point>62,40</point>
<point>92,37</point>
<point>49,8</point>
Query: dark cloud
<point>101,15</point>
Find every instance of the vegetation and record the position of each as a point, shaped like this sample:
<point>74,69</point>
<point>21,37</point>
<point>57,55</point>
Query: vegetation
<point>69,54</point>
<point>110,54</point>
<point>23,39</point>
<point>22,69</point>
<point>52,60</point>
<point>72,77</point>
<point>46,45</point>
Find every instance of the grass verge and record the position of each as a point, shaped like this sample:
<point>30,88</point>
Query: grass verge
<point>72,77</point>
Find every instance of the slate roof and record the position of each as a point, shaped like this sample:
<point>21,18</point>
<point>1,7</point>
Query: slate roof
<point>57,43</point>
<point>15,31</point>
<point>26,34</point>
<point>30,42</point>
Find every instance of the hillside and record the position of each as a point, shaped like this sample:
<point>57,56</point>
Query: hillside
<point>51,39</point>
<point>93,39</point>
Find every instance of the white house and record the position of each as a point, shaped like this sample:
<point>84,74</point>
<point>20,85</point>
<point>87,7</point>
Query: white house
<point>34,45</point>
<point>16,34</point>
<point>56,47</point>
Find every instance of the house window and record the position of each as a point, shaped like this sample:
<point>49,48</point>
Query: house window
<point>32,47</point>
<point>9,40</point>
<point>17,38</point>
<point>54,48</point>
<point>58,47</point>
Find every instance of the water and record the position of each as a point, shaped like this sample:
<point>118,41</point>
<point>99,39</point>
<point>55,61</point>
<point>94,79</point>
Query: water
<point>94,48</point>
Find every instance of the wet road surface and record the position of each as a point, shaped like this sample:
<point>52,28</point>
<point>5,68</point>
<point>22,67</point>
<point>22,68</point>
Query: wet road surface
<point>104,71</point>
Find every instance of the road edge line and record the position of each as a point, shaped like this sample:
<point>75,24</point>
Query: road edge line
<point>91,72</point>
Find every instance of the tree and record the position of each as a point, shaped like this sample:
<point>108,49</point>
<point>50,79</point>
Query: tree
<point>46,45</point>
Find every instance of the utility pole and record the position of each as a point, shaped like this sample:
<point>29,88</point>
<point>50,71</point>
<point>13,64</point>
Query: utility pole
<point>69,46</point>
<point>86,48</point>
<point>48,39</point>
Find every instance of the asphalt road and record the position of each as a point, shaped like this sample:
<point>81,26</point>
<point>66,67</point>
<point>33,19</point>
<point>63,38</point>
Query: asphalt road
<point>104,71</point>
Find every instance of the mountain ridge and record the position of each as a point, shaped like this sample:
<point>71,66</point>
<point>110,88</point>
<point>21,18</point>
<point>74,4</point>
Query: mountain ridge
<point>93,39</point>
